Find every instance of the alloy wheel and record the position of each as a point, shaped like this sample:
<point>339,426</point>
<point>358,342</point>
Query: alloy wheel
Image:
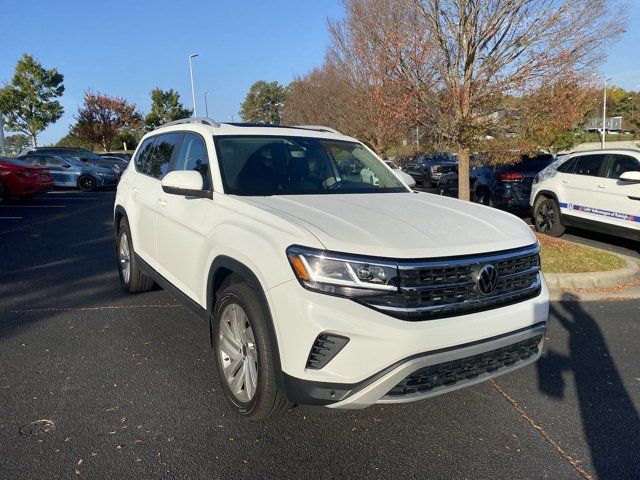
<point>124,258</point>
<point>238,353</point>
<point>545,218</point>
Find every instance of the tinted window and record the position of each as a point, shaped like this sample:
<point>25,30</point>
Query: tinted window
<point>588,165</point>
<point>161,155</point>
<point>54,162</point>
<point>618,164</point>
<point>193,156</point>
<point>534,165</point>
<point>142,157</point>
<point>568,166</point>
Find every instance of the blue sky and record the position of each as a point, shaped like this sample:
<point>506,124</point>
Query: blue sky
<point>126,48</point>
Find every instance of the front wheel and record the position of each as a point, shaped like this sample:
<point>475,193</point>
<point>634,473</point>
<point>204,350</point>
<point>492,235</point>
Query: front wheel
<point>132,278</point>
<point>87,183</point>
<point>547,217</point>
<point>244,360</point>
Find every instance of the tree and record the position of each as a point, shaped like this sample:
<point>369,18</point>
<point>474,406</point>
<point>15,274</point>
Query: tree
<point>264,103</point>
<point>458,57</point>
<point>15,143</point>
<point>165,107</point>
<point>71,140</point>
<point>102,117</point>
<point>29,102</point>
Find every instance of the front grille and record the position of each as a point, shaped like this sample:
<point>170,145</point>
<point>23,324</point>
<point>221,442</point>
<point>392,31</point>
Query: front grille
<point>450,373</point>
<point>441,288</point>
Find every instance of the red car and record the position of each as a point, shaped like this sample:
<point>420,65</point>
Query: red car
<point>21,179</point>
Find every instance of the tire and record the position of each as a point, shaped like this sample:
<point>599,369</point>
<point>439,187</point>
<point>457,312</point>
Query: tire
<point>483,197</point>
<point>546,217</point>
<point>87,183</point>
<point>132,278</point>
<point>244,359</point>
<point>5,194</point>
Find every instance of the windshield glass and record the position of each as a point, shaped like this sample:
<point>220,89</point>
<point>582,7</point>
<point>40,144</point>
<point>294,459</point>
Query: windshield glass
<point>266,165</point>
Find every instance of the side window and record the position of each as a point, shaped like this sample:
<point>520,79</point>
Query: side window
<point>193,156</point>
<point>568,166</point>
<point>618,164</point>
<point>54,162</point>
<point>142,158</point>
<point>161,155</point>
<point>589,165</point>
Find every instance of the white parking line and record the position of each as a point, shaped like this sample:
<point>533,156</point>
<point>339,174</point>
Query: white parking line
<point>33,206</point>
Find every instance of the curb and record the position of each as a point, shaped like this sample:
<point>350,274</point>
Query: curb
<point>592,280</point>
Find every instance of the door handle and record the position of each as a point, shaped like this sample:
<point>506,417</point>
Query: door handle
<point>162,202</point>
<point>564,181</point>
<point>602,186</point>
<point>135,189</point>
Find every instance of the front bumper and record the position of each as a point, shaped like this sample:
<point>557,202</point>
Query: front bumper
<point>383,350</point>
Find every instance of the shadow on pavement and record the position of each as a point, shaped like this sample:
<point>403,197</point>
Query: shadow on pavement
<point>609,418</point>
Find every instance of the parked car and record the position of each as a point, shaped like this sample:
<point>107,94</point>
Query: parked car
<point>82,154</point>
<point>427,170</point>
<point>598,190</point>
<point>125,157</point>
<point>70,172</point>
<point>113,163</point>
<point>22,180</point>
<point>369,176</point>
<point>507,187</point>
<point>321,290</point>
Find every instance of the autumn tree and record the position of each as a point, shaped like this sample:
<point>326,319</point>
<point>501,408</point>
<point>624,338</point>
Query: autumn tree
<point>165,107</point>
<point>30,101</point>
<point>264,103</point>
<point>15,143</point>
<point>457,57</point>
<point>102,117</point>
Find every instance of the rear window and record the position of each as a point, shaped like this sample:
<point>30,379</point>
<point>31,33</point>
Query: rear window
<point>533,165</point>
<point>16,162</point>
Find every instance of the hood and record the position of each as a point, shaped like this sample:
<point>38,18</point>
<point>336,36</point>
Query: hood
<point>400,225</point>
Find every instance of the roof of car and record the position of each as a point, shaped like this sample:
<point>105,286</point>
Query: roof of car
<point>233,128</point>
<point>605,150</point>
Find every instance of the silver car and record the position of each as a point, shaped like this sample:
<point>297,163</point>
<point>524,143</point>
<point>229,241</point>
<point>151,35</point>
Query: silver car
<point>70,172</point>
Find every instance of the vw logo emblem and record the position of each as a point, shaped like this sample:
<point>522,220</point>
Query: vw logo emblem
<point>487,280</point>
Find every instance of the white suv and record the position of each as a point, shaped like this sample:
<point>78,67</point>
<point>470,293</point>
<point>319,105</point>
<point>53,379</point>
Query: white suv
<point>598,190</point>
<point>321,289</point>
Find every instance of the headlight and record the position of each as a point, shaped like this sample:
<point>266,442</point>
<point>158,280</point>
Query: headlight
<point>339,274</point>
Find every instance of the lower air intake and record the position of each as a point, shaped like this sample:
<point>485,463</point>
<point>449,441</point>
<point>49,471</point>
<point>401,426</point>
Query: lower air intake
<point>325,347</point>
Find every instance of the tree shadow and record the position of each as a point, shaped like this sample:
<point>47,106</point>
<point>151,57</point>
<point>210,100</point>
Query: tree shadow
<point>609,417</point>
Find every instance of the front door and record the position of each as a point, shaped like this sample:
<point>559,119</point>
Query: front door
<point>619,201</point>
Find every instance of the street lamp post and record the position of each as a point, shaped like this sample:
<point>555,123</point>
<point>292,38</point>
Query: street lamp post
<point>3,146</point>
<point>206,105</point>
<point>232,117</point>
<point>604,113</point>
<point>193,90</point>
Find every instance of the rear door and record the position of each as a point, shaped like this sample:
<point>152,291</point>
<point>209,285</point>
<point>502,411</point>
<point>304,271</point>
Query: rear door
<point>185,222</point>
<point>618,202</point>
<point>579,178</point>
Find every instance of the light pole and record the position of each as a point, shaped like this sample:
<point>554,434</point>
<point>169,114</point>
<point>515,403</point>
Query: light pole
<point>604,112</point>
<point>232,117</point>
<point>206,105</point>
<point>193,90</point>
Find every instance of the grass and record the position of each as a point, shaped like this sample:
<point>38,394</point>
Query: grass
<point>560,256</point>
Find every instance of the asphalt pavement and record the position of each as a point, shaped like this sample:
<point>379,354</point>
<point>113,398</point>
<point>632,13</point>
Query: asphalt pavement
<point>98,383</point>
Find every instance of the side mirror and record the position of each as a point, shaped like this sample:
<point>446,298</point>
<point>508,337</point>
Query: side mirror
<point>187,183</point>
<point>631,177</point>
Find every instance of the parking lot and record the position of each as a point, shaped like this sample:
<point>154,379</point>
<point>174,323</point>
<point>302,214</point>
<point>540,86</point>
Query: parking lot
<point>122,386</point>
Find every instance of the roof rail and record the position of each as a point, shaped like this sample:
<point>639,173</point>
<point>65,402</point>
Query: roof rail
<point>202,120</point>
<point>318,128</point>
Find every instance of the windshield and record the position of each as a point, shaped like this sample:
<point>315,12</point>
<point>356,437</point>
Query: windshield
<point>269,165</point>
<point>391,165</point>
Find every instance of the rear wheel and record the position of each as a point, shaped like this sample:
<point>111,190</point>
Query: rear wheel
<point>5,195</point>
<point>132,278</point>
<point>483,197</point>
<point>87,183</point>
<point>547,217</point>
<point>244,360</point>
